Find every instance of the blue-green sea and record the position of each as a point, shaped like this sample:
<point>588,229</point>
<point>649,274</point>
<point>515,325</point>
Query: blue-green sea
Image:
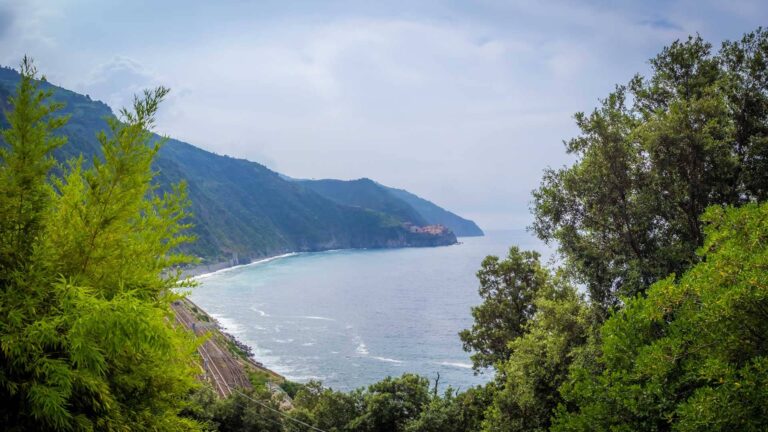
<point>352,317</point>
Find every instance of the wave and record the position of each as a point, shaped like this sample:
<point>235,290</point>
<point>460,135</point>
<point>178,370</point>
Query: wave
<point>227,324</point>
<point>388,360</point>
<point>253,263</point>
<point>361,348</point>
<point>310,317</point>
<point>283,341</point>
<point>305,378</point>
<point>456,364</point>
<point>259,311</point>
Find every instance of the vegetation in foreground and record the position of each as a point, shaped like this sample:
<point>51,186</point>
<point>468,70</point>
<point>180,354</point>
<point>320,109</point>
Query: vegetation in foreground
<point>657,320</point>
<point>84,288</point>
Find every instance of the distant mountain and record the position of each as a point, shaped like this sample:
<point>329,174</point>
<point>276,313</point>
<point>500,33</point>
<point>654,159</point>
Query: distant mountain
<point>365,193</point>
<point>435,214</point>
<point>243,209</point>
<point>398,203</point>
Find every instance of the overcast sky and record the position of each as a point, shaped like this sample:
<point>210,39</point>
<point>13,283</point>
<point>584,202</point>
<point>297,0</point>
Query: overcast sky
<point>463,103</point>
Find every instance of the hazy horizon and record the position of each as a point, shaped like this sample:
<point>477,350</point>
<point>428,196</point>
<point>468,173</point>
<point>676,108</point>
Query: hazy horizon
<point>464,105</point>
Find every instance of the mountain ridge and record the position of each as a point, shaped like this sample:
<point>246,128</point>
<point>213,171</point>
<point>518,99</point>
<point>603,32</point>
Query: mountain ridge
<point>364,191</point>
<point>242,209</point>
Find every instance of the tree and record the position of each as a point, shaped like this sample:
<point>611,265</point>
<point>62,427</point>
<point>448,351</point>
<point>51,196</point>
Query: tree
<point>327,409</point>
<point>454,411</point>
<point>391,403</point>
<point>388,405</point>
<point>507,288</point>
<point>626,214</point>
<point>241,413</point>
<point>25,161</point>
<point>692,355</point>
<point>746,87</point>
<point>527,383</point>
<point>86,331</point>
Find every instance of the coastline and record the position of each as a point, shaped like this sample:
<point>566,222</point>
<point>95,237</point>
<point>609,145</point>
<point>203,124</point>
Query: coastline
<point>205,270</point>
<point>247,359</point>
<point>202,272</point>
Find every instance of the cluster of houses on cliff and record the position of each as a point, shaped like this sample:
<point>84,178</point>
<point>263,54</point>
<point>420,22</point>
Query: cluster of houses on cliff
<point>427,229</point>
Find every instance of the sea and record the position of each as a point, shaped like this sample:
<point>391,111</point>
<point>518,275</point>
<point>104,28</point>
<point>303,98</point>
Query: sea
<point>350,318</point>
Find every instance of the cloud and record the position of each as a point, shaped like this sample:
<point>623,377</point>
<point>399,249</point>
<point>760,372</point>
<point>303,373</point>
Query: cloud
<point>7,19</point>
<point>662,23</point>
<point>463,105</point>
<point>117,80</point>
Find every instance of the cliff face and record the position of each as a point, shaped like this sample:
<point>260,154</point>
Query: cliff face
<point>243,210</point>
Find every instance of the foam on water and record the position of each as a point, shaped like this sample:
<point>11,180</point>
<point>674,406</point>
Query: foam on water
<point>387,360</point>
<point>461,365</point>
<point>259,311</point>
<point>361,349</point>
<point>227,324</point>
<point>241,266</point>
<point>319,318</point>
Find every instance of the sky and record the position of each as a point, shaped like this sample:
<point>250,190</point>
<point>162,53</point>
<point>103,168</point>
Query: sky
<point>463,103</point>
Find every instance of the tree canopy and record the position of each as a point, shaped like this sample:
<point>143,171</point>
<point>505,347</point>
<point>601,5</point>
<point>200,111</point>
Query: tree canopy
<point>692,354</point>
<point>86,332</point>
<point>651,159</point>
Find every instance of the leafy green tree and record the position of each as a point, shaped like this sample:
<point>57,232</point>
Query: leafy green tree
<point>25,161</point>
<point>454,411</point>
<point>388,405</point>
<point>746,87</point>
<point>527,383</point>
<point>507,288</point>
<point>391,403</point>
<point>692,355</point>
<point>87,339</point>
<point>626,214</point>
<point>240,413</point>
<point>325,408</point>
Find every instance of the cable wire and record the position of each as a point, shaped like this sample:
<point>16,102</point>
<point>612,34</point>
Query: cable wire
<point>263,417</point>
<point>278,411</point>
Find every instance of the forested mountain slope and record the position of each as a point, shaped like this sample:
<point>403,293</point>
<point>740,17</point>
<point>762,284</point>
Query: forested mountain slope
<point>243,210</point>
<point>397,202</point>
<point>435,214</point>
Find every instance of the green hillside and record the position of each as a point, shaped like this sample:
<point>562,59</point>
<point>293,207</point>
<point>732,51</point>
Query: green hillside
<point>241,208</point>
<point>398,203</point>
<point>435,214</point>
<point>366,193</point>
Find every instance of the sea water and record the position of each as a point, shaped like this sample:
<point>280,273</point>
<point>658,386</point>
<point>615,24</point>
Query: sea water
<point>352,317</point>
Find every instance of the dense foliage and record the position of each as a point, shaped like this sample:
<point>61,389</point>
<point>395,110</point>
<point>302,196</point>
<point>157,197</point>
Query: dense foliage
<point>651,159</point>
<point>85,325</point>
<point>691,355</point>
<point>507,288</point>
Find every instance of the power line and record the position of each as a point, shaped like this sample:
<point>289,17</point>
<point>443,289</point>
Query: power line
<point>278,411</point>
<point>263,417</point>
